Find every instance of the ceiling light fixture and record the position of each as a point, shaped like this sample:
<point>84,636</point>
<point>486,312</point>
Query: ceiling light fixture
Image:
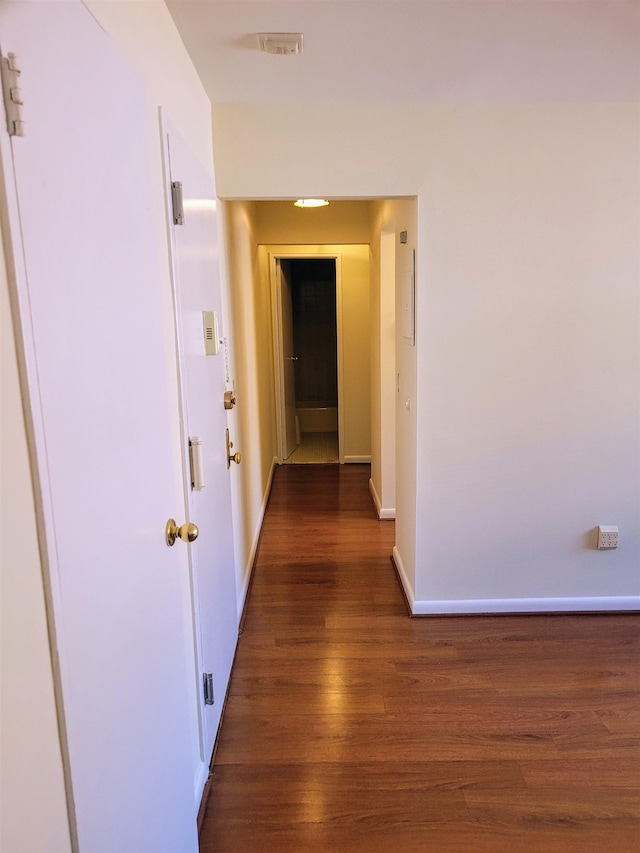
<point>311,202</point>
<point>280,44</point>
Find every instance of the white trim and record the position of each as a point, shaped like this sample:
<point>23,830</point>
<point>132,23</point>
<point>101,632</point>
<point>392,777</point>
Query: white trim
<point>202,777</point>
<point>242,597</point>
<point>349,459</point>
<point>278,364</point>
<point>404,580</point>
<point>526,605</point>
<point>462,607</point>
<point>383,514</point>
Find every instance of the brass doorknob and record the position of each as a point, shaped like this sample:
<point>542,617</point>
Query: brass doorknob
<point>188,532</point>
<point>231,457</point>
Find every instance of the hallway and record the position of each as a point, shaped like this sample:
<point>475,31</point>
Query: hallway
<point>350,727</point>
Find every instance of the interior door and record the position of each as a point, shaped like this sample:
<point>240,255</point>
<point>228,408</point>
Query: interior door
<point>79,194</point>
<point>197,289</point>
<point>288,360</point>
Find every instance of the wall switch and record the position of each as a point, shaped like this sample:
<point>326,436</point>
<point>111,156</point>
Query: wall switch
<point>607,537</point>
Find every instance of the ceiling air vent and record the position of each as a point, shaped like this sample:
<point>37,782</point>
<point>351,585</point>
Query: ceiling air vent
<point>280,44</point>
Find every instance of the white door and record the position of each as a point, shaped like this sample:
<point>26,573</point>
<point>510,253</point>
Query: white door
<point>88,263</point>
<point>288,358</point>
<point>195,252</point>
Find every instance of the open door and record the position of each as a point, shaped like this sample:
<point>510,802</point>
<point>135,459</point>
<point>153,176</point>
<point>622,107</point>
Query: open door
<point>286,358</point>
<point>85,270</point>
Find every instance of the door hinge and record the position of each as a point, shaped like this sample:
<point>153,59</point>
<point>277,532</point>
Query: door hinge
<point>12,95</point>
<point>176,201</point>
<point>207,683</point>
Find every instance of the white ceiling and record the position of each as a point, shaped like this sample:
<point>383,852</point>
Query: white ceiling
<point>416,51</point>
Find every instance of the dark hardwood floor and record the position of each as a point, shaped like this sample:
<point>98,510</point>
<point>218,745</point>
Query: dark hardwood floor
<point>351,727</point>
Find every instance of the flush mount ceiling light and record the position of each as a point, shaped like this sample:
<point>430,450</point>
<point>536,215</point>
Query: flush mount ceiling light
<point>311,202</point>
<point>280,44</point>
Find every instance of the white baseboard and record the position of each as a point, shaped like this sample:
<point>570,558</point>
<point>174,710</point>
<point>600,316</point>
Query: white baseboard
<point>201,781</point>
<point>404,580</point>
<point>599,604</point>
<point>383,513</point>
<point>462,607</point>
<point>246,578</point>
<point>350,459</point>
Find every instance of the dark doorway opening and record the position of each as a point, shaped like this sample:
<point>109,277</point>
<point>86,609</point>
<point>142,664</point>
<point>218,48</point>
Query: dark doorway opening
<point>314,313</point>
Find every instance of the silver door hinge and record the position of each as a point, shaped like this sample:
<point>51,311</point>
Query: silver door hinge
<point>12,96</point>
<point>207,683</point>
<point>176,201</point>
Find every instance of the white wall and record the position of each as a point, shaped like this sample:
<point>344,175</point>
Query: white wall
<point>31,764</point>
<point>145,32</point>
<point>530,368</point>
<point>33,802</point>
<point>527,306</point>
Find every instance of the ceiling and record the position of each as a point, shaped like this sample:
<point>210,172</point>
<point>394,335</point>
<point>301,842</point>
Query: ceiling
<point>416,51</point>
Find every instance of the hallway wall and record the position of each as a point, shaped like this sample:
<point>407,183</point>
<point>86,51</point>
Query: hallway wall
<point>282,227</point>
<point>527,304</point>
<point>249,226</point>
<point>252,422</point>
<point>393,361</point>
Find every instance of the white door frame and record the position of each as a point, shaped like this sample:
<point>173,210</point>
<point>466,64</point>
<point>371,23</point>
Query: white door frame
<point>276,320</point>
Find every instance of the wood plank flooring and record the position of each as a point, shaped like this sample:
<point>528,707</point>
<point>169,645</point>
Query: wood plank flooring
<point>350,727</point>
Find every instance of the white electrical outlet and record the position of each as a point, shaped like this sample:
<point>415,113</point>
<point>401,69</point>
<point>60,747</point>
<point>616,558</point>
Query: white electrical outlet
<point>607,537</point>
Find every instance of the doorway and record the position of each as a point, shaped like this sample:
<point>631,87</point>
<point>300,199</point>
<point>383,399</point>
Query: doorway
<point>315,368</point>
<point>307,341</point>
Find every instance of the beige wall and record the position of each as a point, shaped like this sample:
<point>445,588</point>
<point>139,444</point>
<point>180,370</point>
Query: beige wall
<point>397,380</point>
<point>283,228</point>
<point>391,217</point>
<point>252,231</point>
<point>252,421</point>
<point>339,222</point>
<point>527,305</point>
